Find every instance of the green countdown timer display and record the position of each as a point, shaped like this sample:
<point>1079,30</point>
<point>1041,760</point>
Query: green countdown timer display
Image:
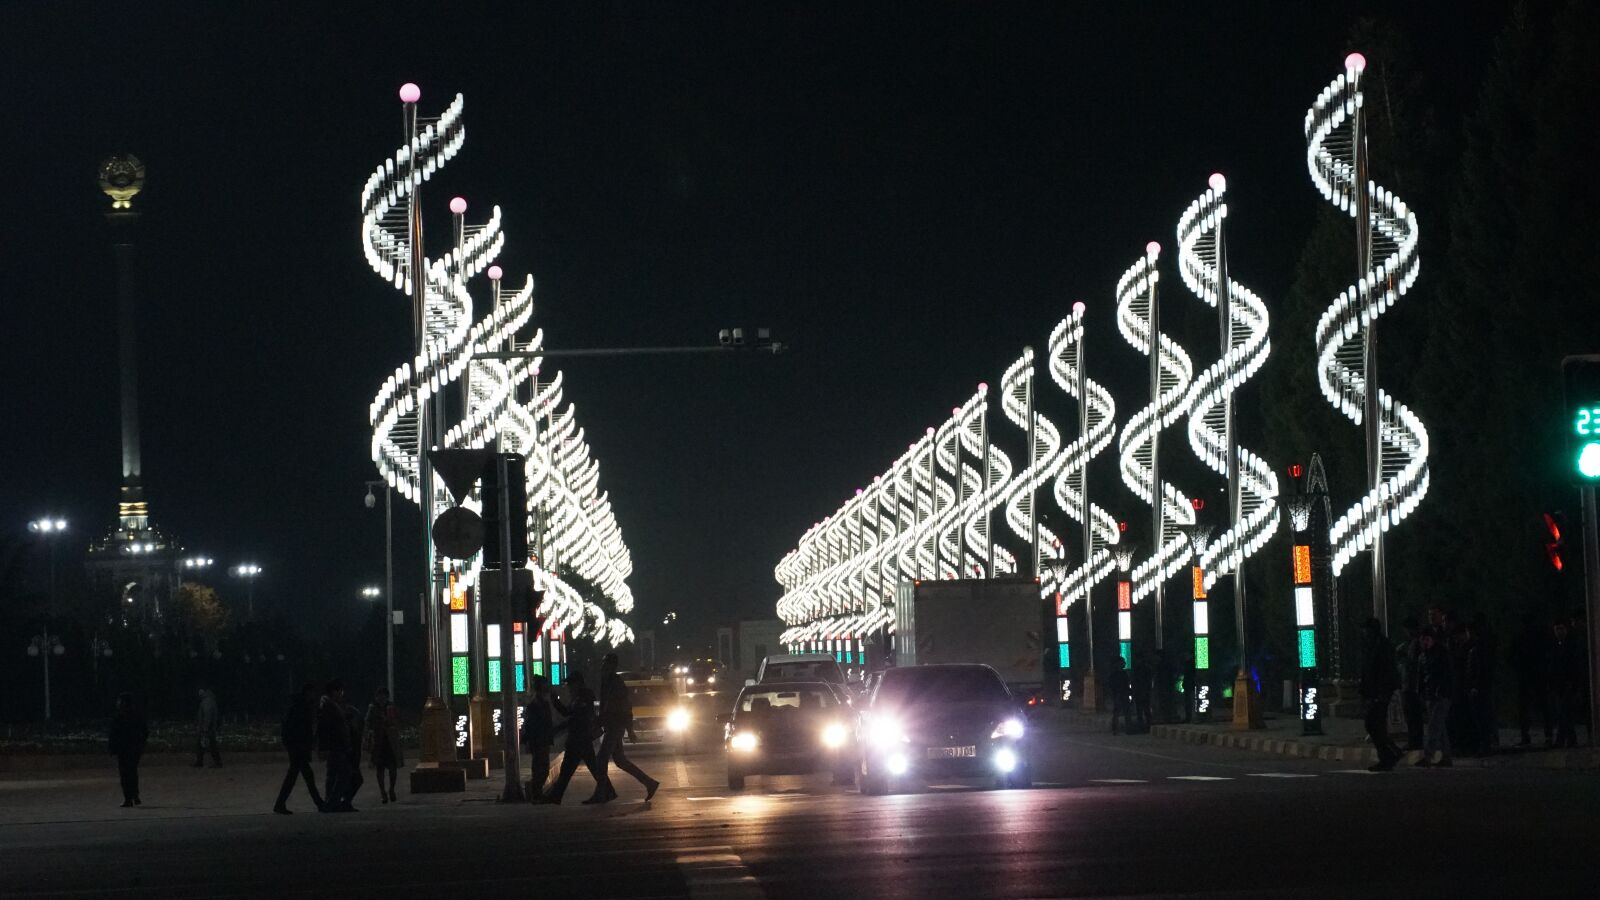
<point>1581,378</point>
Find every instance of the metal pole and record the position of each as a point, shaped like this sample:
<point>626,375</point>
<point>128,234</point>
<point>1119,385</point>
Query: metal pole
<point>1225,306</point>
<point>1088,523</point>
<point>1370,415</point>
<point>1591,583</point>
<point>419,300</point>
<point>508,710</point>
<point>388,586</point>
<point>44,652</point>
<point>1159,513</point>
<point>52,541</point>
<point>1033,460</point>
<point>988,515</point>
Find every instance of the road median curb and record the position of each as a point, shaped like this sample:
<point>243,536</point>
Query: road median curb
<point>1260,743</point>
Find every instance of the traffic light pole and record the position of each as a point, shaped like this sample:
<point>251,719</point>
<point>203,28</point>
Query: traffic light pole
<point>1591,590</point>
<point>507,662</point>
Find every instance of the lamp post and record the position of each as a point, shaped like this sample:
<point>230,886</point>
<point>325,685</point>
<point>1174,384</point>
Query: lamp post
<point>249,572</point>
<point>1057,568</point>
<point>1199,537</point>
<point>98,647</point>
<point>388,573</point>
<point>51,528</point>
<point>45,645</point>
<point>197,564</point>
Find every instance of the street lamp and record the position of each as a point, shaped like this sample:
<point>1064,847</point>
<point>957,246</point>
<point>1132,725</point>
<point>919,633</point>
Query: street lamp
<point>45,645</point>
<point>249,572</point>
<point>388,573</point>
<point>98,647</point>
<point>198,563</point>
<point>51,528</point>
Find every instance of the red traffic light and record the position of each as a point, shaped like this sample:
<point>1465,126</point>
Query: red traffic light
<point>1122,526</point>
<point>1198,504</point>
<point>1554,547</point>
<point>1295,470</point>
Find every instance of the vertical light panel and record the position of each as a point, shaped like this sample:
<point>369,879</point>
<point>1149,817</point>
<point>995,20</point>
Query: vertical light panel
<point>1125,621</point>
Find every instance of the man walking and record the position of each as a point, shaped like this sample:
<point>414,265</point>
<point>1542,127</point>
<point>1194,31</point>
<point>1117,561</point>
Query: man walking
<point>206,722</point>
<point>1378,683</point>
<point>1438,689</point>
<point>580,738</point>
<point>1528,661</point>
<point>128,736</point>
<point>333,742</point>
<point>538,733</point>
<point>1411,683</point>
<point>616,717</point>
<point>299,729</point>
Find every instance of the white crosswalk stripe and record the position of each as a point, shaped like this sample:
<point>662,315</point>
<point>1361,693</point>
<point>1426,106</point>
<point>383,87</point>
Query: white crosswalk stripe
<point>1119,780</point>
<point>1198,778</point>
<point>1283,775</point>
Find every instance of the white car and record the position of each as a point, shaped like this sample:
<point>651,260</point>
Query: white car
<point>784,667</point>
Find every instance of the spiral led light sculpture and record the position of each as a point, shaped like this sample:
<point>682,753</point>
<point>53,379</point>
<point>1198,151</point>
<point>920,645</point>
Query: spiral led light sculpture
<point>411,410</point>
<point>1347,367</point>
<point>1096,428</point>
<point>1252,485</point>
<point>1138,318</point>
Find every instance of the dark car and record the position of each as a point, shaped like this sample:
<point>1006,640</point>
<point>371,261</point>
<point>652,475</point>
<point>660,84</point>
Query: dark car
<point>792,728</point>
<point>946,721</point>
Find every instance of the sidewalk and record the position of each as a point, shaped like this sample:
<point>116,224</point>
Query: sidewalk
<point>1342,740</point>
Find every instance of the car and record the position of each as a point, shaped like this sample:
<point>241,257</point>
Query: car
<point>786,667</point>
<point>870,684</point>
<point>790,728</point>
<point>658,712</point>
<point>945,721</point>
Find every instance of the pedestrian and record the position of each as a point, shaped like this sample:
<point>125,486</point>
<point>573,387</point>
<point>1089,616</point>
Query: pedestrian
<point>1191,687</point>
<point>1565,673</point>
<point>1121,698</point>
<point>127,739</point>
<point>353,777</point>
<point>383,743</point>
<point>333,743</point>
<point>298,735</point>
<point>1379,681</point>
<point>1438,689</point>
<point>1141,679</point>
<point>1529,659</point>
<point>1458,641</point>
<point>206,722</point>
<point>616,717</point>
<point>1410,653</point>
<point>580,728</point>
<point>538,733</point>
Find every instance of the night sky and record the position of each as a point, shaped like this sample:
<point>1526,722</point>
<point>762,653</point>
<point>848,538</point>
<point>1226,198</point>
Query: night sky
<point>906,193</point>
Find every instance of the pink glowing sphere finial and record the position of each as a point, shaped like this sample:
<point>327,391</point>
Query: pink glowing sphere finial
<point>410,93</point>
<point>1355,62</point>
<point>1079,307</point>
<point>955,410</point>
<point>983,387</point>
<point>458,205</point>
<point>930,429</point>
<point>1152,249</point>
<point>494,273</point>
<point>1217,182</point>
<point>858,492</point>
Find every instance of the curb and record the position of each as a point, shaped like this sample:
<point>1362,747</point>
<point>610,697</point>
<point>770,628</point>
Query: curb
<point>1265,744</point>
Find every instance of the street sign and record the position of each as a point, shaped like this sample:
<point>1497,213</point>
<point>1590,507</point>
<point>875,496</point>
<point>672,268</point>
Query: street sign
<point>460,469</point>
<point>458,533</point>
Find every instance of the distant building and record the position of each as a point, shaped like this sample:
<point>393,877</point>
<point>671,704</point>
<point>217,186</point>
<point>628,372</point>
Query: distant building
<point>741,646</point>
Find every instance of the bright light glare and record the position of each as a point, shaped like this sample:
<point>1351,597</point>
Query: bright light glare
<point>678,720</point>
<point>1005,760</point>
<point>744,740</point>
<point>1589,460</point>
<point>898,764</point>
<point>1011,728</point>
<point>689,681</point>
<point>834,735</point>
<point>886,732</point>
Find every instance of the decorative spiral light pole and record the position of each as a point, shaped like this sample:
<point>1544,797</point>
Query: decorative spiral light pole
<point>1252,485</point>
<point>1138,318</point>
<point>1347,365</point>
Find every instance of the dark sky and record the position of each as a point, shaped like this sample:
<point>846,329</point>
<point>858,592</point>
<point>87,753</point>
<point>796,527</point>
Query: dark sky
<point>907,193</point>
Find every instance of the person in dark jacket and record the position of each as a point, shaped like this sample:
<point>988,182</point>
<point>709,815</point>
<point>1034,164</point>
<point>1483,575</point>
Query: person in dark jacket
<point>298,736</point>
<point>1527,658</point>
<point>1479,687</point>
<point>1141,678</point>
<point>333,742</point>
<point>1120,690</point>
<point>616,717</point>
<point>353,777</point>
<point>207,721</point>
<point>1410,653</point>
<point>1565,679</point>
<point>127,739</point>
<point>1379,680</point>
<point>538,733</point>
<point>1438,689</point>
<point>580,728</point>
<point>383,743</point>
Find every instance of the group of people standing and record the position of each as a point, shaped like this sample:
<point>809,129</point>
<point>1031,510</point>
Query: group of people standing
<point>1444,672</point>
<point>584,720</point>
<point>339,734</point>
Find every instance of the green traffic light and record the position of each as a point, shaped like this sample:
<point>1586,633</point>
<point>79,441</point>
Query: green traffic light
<point>1589,460</point>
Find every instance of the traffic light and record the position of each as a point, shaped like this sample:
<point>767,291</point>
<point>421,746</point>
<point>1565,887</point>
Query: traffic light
<point>1581,378</point>
<point>516,509</point>
<point>1555,547</point>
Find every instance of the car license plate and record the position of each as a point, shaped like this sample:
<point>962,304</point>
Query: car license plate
<point>952,752</point>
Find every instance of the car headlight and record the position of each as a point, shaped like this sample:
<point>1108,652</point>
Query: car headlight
<point>744,740</point>
<point>678,720</point>
<point>689,680</point>
<point>834,735</point>
<point>886,733</point>
<point>711,679</point>
<point>1010,728</point>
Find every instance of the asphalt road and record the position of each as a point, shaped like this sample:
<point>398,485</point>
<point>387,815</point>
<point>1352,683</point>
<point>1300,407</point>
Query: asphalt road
<point>1127,816</point>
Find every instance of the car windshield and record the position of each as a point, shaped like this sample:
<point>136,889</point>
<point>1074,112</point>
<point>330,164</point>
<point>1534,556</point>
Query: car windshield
<point>758,702</point>
<point>808,670</point>
<point>904,687</point>
<point>651,695</point>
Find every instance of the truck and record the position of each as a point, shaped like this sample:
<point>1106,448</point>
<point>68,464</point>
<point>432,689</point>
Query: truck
<point>995,621</point>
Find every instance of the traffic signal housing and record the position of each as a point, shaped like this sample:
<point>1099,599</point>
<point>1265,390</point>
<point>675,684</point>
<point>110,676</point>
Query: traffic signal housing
<point>1580,376</point>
